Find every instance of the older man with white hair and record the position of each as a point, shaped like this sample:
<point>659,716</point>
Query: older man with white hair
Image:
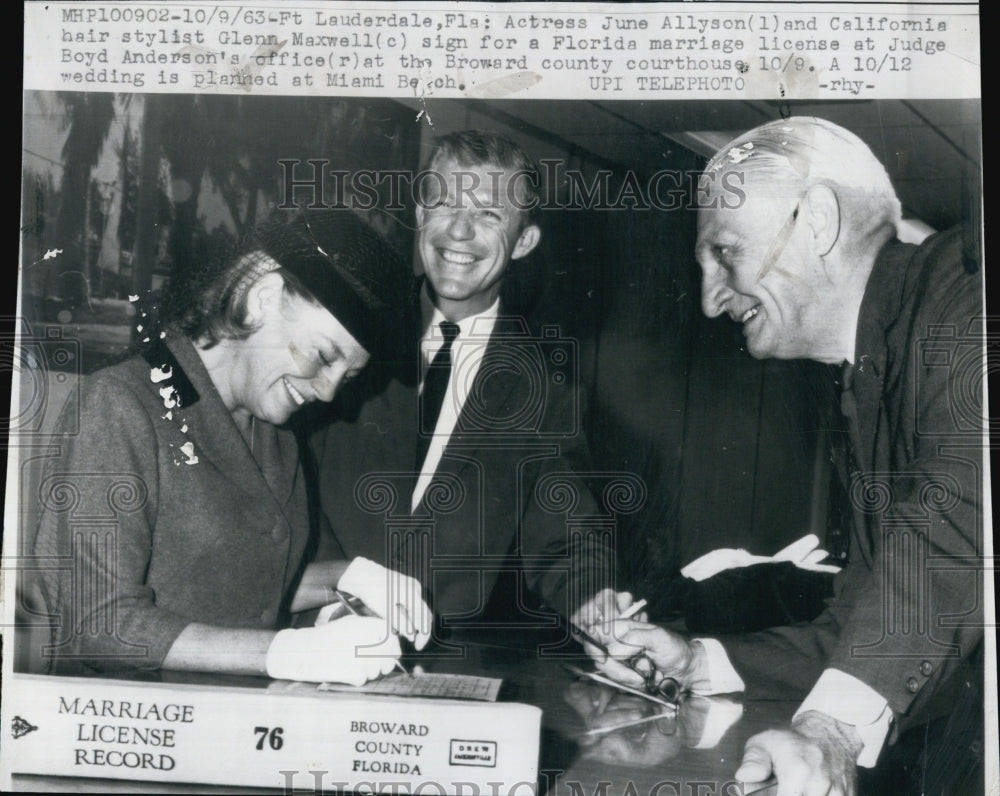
<point>810,265</point>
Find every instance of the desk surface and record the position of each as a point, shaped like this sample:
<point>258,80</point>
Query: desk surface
<point>657,754</point>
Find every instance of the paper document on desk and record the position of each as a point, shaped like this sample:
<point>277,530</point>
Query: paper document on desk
<point>434,685</point>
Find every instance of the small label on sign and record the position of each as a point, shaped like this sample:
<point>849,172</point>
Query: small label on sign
<point>473,753</point>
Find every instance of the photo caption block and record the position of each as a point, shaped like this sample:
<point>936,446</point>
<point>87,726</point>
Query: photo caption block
<point>486,51</point>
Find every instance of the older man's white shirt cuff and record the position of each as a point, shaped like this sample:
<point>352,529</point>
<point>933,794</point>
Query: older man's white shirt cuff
<point>722,677</point>
<point>853,702</point>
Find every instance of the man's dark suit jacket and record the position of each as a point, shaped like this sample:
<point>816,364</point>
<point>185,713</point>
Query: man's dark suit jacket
<point>908,606</point>
<point>505,493</point>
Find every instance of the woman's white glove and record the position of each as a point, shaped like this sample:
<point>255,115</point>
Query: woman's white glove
<point>392,595</point>
<point>351,650</point>
<point>805,554</point>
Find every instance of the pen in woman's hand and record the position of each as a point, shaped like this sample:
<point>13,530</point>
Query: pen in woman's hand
<point>347,604</point>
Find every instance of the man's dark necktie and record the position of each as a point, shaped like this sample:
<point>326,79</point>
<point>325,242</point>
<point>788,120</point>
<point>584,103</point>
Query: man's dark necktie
<point>435,387</point>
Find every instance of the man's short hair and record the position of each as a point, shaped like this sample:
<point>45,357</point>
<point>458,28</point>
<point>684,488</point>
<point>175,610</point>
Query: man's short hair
<point>804,151</point>
<point>481,149</point>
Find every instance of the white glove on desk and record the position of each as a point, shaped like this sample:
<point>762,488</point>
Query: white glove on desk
<point>805,554</point>
<point>395,597</point>
<point>351,650</point>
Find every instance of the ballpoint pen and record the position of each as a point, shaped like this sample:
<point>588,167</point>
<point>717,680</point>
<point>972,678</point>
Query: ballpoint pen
<point>644,693</point>
<point>347,604</point>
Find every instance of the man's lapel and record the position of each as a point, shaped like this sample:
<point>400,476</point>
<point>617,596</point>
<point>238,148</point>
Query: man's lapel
<point>880,309</point>
<point>859,403</point>
<point>863,400</point>
<point>491,410</point>
<point>869,379</point>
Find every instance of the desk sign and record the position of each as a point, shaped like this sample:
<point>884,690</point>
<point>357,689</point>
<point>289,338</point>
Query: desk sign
<point>266,738</point>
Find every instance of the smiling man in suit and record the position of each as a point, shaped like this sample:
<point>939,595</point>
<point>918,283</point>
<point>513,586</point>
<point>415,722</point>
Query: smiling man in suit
<point>451,465</point>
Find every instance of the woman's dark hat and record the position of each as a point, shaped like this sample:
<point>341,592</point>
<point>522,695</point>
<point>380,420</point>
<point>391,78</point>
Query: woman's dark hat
<point>347,266</point>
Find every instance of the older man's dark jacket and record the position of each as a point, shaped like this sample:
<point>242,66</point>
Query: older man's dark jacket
<point>908,606</point>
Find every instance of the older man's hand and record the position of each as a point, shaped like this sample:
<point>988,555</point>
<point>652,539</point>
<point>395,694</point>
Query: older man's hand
<point>672,654</point>
<point>603,608</point>
<point>816,755</point>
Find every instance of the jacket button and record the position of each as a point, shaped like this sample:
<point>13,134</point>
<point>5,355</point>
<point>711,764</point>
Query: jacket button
<point>278,533</point>
<point>912,685</point>
<point>266,617</point>
<point>926,669</point>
